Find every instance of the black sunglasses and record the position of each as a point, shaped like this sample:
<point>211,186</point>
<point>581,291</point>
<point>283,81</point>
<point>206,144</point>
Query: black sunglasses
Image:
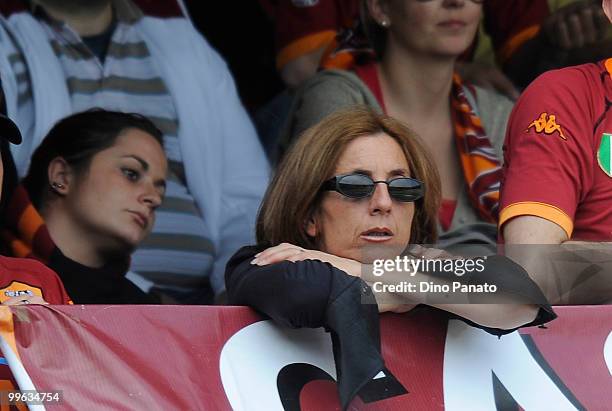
<point>404,189</point>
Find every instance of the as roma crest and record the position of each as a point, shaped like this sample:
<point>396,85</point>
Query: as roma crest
<point>604,155</point>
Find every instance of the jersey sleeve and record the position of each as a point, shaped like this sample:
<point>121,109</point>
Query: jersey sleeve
<point>511,23</point>
<point>304,26</point>
<point>547,153</point>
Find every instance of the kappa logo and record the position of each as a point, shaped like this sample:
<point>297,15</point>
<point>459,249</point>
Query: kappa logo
<point>547,124</point>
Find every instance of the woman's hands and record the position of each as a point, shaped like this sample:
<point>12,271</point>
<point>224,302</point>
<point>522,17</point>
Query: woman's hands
<point>25,299</point>
<point>395,308</point>
<point>290,252</point>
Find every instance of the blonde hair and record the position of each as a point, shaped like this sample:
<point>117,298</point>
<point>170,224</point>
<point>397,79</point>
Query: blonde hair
<point>293,196</point>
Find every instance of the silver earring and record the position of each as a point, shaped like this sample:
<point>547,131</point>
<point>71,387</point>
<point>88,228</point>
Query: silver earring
<point>384,23</point>
<point>57,186</point>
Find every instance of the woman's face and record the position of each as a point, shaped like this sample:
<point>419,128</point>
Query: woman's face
<point>346,226</point>
<point>114,200</point>
<point>432,27</point>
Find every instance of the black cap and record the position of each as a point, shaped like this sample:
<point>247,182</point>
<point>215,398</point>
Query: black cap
<point>9,130</point>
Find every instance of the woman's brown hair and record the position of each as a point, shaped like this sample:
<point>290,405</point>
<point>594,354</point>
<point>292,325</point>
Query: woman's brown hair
<point>373,31</point>
<point>294,193</point>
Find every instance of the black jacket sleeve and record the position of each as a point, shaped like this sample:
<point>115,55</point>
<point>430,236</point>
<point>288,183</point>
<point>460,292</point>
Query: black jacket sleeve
<point>510,279</point>
<point>292,294</point>
<point>315,294</point>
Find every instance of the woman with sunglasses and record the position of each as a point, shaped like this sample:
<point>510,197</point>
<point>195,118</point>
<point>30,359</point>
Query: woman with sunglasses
<point>411,77</point>
<point>357,186</point>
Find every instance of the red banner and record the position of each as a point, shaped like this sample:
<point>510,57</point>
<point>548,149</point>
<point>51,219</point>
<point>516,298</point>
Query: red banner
<point>221,358</point>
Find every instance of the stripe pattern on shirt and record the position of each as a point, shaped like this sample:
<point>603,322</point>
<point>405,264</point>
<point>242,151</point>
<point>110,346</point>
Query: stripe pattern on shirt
<point>178,255</point>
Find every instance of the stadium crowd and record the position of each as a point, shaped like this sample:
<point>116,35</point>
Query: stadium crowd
<point>134,174</point>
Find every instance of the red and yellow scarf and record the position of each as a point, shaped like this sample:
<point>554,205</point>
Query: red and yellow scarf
<point>25,233</point>
<point>481,166</point>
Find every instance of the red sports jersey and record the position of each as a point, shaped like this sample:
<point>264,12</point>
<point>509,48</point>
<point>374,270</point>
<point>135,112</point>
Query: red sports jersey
<point>29,277</point>
<point>558,149</point>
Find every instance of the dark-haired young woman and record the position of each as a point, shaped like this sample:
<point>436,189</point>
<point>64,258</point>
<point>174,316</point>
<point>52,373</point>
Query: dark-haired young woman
<point>88,200</point>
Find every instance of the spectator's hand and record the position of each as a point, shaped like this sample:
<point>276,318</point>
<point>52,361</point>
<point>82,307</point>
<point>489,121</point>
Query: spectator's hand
<point>430,253</point>
<point>395,308</point>
<point>24,299</point>
<point>290,252</point>
<point>488,77</point>
<point>576,25</point>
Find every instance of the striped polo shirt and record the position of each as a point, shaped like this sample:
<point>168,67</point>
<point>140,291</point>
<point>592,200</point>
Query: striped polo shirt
<point>178,255</point>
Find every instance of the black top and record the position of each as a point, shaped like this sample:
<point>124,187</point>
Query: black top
<point>315,294</point>
<point>106,285</point>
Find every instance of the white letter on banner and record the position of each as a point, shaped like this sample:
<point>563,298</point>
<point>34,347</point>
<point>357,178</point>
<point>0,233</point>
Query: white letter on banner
<point>608,352</point>
<point>252,358</point>
<point>471,355</point>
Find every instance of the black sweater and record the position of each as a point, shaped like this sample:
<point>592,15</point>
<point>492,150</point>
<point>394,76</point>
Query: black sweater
<point>105,285</point>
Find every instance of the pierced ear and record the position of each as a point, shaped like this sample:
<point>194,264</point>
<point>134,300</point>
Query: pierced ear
<point>59,173</point>
<point>311,227</point>
<point>378,11</point>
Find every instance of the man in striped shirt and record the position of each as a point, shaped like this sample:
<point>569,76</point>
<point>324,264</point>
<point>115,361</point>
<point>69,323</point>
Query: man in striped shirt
<point>146,58</point>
